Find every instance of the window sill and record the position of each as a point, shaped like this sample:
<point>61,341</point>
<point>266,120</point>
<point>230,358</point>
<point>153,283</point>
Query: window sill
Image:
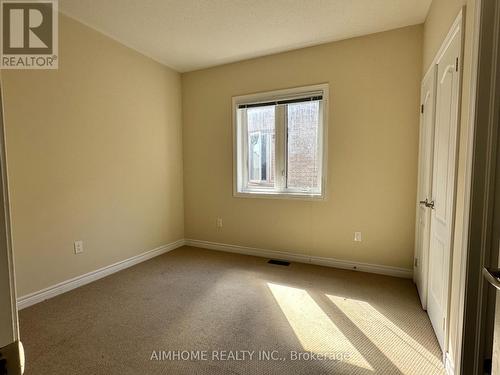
<point>279,195</point>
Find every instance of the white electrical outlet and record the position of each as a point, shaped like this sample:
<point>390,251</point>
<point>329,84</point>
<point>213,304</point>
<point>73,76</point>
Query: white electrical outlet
<point>78,247</point>
<point>219,222</point>
<point>357,236</point>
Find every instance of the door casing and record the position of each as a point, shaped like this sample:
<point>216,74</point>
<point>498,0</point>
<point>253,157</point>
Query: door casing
<point>482,229</point>
<point>9,331</point>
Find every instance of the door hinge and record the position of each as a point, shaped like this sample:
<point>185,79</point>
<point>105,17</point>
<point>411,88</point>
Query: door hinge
<point>456,64</point>
<point>444,323</point>
<point>422,108</point>
<point>416,262</point>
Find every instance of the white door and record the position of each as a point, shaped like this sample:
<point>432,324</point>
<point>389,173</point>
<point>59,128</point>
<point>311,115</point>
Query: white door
<point>443,185</point>
<point>426,146</point>
<point>10,349</point>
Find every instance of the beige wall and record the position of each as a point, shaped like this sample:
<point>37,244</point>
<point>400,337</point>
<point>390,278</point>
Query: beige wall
<point>372,141</point>
<point>94,153</point>
<point>439,20</point>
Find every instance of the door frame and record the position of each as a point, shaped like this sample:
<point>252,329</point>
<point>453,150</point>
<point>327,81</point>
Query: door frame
<point>477,298</point>
<point>10,348</point>
<point>7,280</point>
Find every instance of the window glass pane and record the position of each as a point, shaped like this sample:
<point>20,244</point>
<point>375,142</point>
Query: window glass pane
<point>261,146</point>
<point>303,159</point>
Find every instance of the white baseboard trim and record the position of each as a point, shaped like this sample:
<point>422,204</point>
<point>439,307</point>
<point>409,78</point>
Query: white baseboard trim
<point>65,286</point>
<point>301,258</point>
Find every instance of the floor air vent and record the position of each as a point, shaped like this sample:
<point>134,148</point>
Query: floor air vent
<point>279,262</point>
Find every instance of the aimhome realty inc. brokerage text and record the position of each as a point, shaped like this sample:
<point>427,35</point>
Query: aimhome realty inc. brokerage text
<point>245,355</point>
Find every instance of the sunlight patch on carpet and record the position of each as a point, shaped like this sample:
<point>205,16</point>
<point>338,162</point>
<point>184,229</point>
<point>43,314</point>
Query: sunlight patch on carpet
<point>399,347</point>
<point>314,329</point>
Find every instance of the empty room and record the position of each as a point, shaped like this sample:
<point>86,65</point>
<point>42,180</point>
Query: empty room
<point>249,187</point>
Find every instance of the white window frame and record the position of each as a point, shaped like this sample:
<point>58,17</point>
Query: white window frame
<point>240,167</point>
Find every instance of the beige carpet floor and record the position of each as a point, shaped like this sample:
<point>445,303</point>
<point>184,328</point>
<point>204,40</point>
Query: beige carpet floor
<point>214,309</point>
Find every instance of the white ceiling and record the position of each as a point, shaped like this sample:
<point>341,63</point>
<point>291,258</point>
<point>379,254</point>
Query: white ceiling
<point>193,34</point>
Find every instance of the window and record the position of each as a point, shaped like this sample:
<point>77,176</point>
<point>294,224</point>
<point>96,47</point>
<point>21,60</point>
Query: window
<point>280,143</point>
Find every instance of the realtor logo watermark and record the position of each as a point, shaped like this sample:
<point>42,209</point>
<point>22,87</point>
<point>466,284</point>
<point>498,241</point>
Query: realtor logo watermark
<point>29,34</point>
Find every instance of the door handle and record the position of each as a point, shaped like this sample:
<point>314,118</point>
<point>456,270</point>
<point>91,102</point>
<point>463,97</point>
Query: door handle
<point>426,203</point>
<point>492,275</point>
